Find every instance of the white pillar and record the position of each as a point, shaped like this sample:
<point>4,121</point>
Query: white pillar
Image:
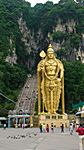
<point>9,123</point>
<point>16,122</point>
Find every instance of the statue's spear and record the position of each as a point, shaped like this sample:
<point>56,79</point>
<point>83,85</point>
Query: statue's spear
<point>42,55</point>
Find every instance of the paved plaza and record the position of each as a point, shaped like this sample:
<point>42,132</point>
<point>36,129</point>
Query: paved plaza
<point>32,139</point>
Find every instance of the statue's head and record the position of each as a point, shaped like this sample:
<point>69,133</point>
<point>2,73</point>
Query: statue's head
<point>50,52</point>
<point>50,49</point>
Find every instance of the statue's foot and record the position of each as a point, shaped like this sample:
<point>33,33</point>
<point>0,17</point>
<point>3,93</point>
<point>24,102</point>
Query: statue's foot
<point>48,112</point>
<point>42,112</point>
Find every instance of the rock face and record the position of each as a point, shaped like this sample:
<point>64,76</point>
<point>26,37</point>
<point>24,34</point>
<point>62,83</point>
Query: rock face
<point>27,36</point>
<point>34,41</point>
<point>68,26</point>
<point>12,59</point>
<point>12,56</point>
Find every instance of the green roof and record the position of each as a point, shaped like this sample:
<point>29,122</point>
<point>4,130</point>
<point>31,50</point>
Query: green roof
<point>76,106</point>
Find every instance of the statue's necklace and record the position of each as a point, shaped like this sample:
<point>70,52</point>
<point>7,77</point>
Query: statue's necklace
<point>50,62</point>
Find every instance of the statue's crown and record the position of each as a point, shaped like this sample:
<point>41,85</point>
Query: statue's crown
<point>50,49</point>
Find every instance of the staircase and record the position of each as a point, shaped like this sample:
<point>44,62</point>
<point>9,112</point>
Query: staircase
<point>28,96</point>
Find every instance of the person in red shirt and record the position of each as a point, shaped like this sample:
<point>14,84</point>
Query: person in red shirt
<point>80,131</point>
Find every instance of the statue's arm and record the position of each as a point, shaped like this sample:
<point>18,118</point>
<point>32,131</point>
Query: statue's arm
<point>61,68</point>
<point>61,72</point>
<point>40,67</point>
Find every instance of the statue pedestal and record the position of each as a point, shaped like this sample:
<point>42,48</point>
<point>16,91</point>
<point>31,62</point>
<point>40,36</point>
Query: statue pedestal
<point>56,119</point>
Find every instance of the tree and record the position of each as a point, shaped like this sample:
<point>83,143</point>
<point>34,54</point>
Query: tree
<point>81,2</point>
<point>74,81</point>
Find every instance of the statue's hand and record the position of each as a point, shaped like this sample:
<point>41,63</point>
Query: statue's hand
<point>58,79</point>
<point>42,66</point>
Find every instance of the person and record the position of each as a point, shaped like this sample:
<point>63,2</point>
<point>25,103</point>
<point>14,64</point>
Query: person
<point>50,74</point>
<point>71,128</point>
<point>40,128</point>
<point>62,127</point>
<point>80,131</point>
<point>47,128</point>
<point>23,126</point>
<point>44,128</point>
<point>4,125</point>
<point>52,127</point>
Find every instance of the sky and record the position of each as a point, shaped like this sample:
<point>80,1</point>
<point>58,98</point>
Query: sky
<point>34,2</point>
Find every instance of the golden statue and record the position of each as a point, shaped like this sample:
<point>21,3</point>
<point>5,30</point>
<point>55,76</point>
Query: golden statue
<point>50,82</point>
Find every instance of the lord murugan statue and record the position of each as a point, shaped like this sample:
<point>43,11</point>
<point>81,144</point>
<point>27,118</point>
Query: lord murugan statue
<point>50,74</point>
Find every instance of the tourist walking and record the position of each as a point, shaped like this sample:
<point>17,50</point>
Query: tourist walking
<point>40,127</point>
<point>44,127</point>
<point>47,128</point>
<point>52,127</point>
<point>4,126</point>
<point>62,127</point>
<point>71,128</point>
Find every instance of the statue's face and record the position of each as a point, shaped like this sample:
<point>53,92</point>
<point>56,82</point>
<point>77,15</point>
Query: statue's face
<point>50,55</point>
